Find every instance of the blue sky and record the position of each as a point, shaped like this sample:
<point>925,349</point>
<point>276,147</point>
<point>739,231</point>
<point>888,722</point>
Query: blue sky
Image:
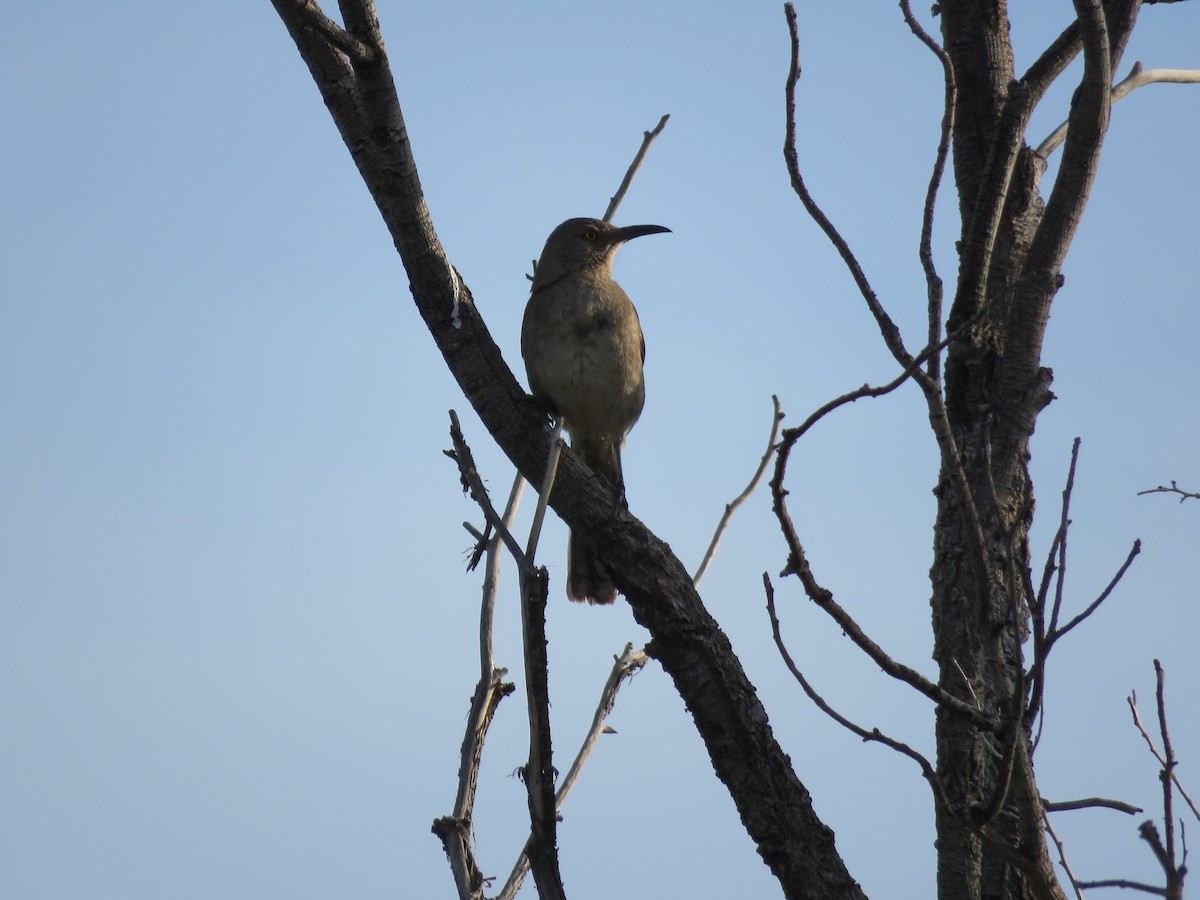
<point>237,645</point>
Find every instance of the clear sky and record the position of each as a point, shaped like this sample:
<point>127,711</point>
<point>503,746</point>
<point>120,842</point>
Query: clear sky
<point>236,641</point>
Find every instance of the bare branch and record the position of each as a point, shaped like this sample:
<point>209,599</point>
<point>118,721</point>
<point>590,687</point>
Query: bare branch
<point>539,771</point>
<point>891,334</point>
<point>1092,803</point>
<point>455,829</point>
<point>1062,856</point>
<point>1137,77</point>
<point>535,529</point>
<point>1095,604</point>
<point>798,565</point>
<point>933,281</point>
<point>647,139</point>
<point>1168,772</point>
<point>626,666</point>
<point>1041,631</point>
<point>461,454</point>
<point>874,734</point>
<point>1173,489</point>
<point>1123,883</point>
<point>491,579</point>
<point>1137,721</point>
<point>732,506</point>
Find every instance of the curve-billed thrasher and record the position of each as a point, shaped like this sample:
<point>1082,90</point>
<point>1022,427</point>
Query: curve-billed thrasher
<point>583,350</point>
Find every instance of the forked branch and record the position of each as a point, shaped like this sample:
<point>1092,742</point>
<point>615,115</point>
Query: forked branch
<point>1173,489</point>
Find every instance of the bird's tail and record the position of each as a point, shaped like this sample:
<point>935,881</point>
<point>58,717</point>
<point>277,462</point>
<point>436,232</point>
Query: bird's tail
<point>587,578</point>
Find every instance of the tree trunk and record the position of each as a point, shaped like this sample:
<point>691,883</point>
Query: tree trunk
<point>990,838</point>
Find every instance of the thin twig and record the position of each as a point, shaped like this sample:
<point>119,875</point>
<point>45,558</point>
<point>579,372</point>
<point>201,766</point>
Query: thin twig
<point>647,139</point>
<point>798,564</point>
<point>1092,803</point>
<point>461,454</point>
<point>455,829</point>
<point>624,668</point>
<point>491,580</point>
<point>1062,856</point>
<point>1037,670</point>
<point>539,514</point>
<point>1173,489</point>
<point>874,734</point>
<point>1137,721</point>
<point>891,334</point>
<point>1123,883</point>
<point>1168,770</point>
<point>1137,77</point>
<point>1095,604</point>
<point>731,507</point>
<point>938,415</point>
<point>933,281</point>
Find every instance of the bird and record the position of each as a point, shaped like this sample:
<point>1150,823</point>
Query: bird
<point>584,351</point>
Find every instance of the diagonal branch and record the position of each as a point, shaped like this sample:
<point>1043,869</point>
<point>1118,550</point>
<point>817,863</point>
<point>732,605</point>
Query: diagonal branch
<point>732,506</point>
<point>874,734</point>
<point>1137,77</point>
<point>1095,604</point>
<point>647,139</point>
<point>1137,721</point>
<point>823,598</point>
<point>625,667</point>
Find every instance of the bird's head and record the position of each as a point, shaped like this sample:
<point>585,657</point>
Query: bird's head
<point>584,245</point>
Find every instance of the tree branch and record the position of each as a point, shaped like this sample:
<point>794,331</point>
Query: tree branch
<point>1092,803</point>
<point>933,282</point>
<point>1123,883</point>
<point>455,830</point>
<point>874,734</point>
<point>539,772</point>
<point>1088,121</point>
<point>1137,77</point>
<point>887,328</point>
<point>647,139</point>
<point>732,506</point>
<point>1062,856</point>
<point>1095,604</point>
<point>823,598</point>
<point>625,667</point>
<point>1173,489</point>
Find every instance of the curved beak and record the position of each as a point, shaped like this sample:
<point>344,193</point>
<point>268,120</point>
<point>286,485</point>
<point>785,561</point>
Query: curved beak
<point>629,232</point>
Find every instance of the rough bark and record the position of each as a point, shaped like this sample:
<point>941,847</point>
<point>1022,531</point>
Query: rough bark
<point>990,839</point>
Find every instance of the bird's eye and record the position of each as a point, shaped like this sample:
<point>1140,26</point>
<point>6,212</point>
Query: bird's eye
<point>591,234</point>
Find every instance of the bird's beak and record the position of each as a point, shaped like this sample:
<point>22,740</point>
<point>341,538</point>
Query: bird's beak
<point>629,232</point>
